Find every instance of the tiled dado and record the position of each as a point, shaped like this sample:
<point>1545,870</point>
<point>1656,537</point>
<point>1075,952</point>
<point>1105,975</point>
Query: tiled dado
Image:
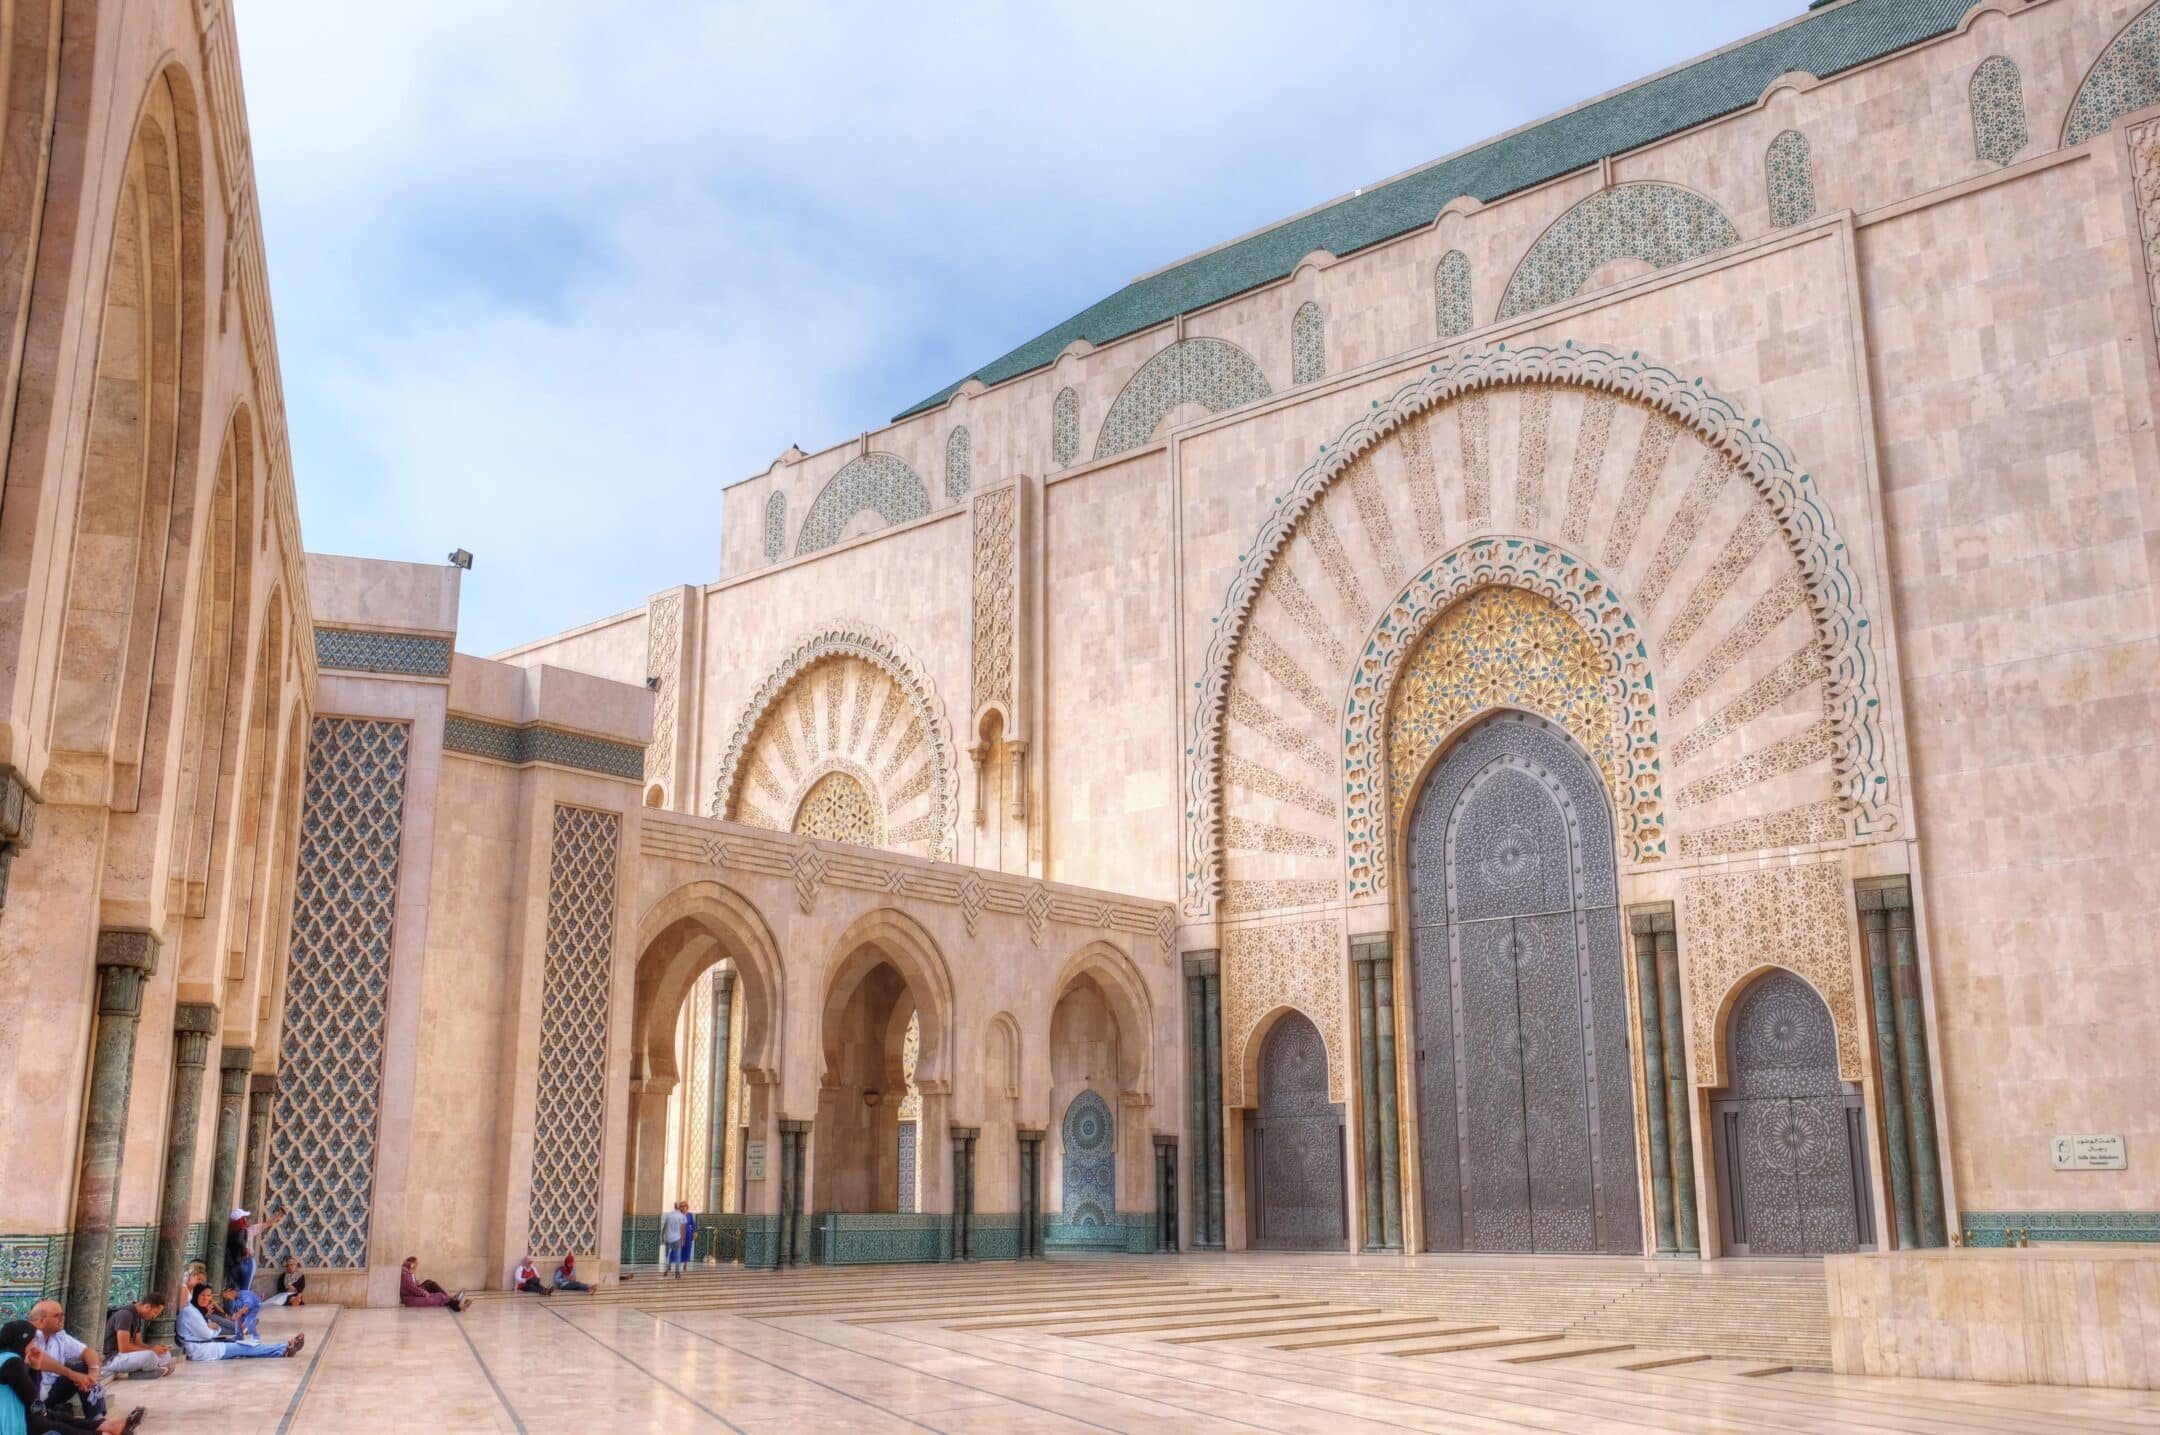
<point>1133,1232</point>
<point>363,650</point>
<point>34,1268</point>
<point>536,742</point>
<point>1996,1229</point>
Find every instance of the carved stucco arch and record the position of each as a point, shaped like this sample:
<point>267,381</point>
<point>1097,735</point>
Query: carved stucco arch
<point>679,938</point>
<point>1125,991</point>
<point>1630,767</point>
<point>891,937</point>
<point>883,651</point>
<point>1804,524</point>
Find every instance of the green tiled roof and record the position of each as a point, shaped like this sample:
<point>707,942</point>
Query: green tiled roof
<point>1821,42</point>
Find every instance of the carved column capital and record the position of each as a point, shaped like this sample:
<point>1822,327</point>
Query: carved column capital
<point>194,1023</point>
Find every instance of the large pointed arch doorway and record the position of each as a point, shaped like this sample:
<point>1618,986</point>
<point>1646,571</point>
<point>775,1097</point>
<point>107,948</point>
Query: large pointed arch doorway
<point>1525,1103</point>
<point>1294,1145</point>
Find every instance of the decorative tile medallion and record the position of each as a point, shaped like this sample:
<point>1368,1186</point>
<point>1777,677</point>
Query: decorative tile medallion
<point>2126,77</point>
<point>570,1110</point>
<point>1090,1157</point>
<point>1452,313</point>
<point>1213,373</point>
<point>1660,224</point>
<point>1998,110</point>
<point>1308,344</point>
<point>1789,168</point>
<point>876,482</point>
<point>337,990</point>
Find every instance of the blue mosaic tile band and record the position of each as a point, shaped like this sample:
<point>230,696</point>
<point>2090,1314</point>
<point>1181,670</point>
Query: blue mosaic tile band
<point>641,1240</point>
<point>32,1268</point>
<point>359,651</point>
<point>864,1239</point>
<point>1133,1232</point>
<point>134,1247</point>
<point>1991,1229</point>
<point>996,1237</point>
<point>536,742</point>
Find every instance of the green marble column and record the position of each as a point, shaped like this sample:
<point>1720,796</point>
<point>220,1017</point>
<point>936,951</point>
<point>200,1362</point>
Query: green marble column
<point>233,1064</point>
<point>1913,1058</point>
<point>723,1003</point>
<point>18,820</point>
<point>194,1023</point>
<point>1391,1222</point>
<point>1890,1089</point>
<point>1642,925</point>
<point>1166,1194</point>
<point>1679,1107</point>
<point>1031,1144</point>
<point>794,1135</point>
<point>963,1189</point>
<point>262,1095</point>
<point>1213,1007</point>
<point>1368,1096</point>
<point>126,958</point>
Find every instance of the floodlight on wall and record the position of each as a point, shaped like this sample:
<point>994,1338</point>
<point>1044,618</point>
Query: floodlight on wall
<point>652,682</point>
<point>460,558</point>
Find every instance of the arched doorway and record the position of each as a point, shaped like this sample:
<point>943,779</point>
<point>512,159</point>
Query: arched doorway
<point>1792,1164</point>
<point>1089,1173</point>
<point>1294,1145</point>
<point>1525,1104</point>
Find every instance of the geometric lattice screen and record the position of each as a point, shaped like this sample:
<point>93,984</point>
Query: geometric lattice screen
<point>570,1113</point>
<point>322,1158</point>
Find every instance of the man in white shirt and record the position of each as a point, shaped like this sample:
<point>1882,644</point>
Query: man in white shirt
<point>68,1369</point>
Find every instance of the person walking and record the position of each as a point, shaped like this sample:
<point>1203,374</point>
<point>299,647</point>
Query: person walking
<point>671,1239</point>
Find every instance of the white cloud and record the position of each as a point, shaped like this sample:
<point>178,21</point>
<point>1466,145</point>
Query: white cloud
<point>547,277</point>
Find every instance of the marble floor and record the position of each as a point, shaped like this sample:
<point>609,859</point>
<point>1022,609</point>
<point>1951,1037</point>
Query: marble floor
<point>1198,1346</point>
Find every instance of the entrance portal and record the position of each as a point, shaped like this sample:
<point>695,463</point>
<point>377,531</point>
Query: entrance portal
<point>1792,1166</point>
<point>1294,1145</point>
<point>1526,1116</point>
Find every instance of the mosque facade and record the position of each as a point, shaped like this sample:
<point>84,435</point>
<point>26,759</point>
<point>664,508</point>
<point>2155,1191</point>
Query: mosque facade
<point>1591,698</point>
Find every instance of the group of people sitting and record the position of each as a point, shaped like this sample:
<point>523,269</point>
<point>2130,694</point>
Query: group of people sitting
<point>527,1278</point>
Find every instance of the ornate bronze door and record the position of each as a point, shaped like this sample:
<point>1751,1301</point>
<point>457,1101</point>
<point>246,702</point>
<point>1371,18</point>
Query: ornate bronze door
<point>1294,1145</point>
<point>1791,1161</point>
<point>1526,1120</point>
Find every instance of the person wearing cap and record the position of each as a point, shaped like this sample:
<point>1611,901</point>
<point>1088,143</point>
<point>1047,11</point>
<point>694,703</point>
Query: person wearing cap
<point>240,1245</point>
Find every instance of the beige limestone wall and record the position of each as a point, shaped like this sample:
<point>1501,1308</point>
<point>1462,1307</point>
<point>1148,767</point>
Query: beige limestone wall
<point>611,648</point>
<point>2013,377</point>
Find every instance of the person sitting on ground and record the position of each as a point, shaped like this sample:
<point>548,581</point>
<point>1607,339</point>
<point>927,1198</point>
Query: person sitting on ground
<point>566,1276</point>
<point>202,1342</point>
<point>418,1293</point>
<point>19,1410</point>
<point>527,1279</point>
<point>291,1286</point>
<point>197,1274</point>
<point>244,1308</point>
<point>68,1369</point>
<point>125,1352</point>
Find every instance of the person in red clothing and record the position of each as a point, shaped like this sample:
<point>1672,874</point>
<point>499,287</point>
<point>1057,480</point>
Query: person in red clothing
<point>413,1291</point>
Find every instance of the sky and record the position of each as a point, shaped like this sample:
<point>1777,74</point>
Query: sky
<point>545,282</point>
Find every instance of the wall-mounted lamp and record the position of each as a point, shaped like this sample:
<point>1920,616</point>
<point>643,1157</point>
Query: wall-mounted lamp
<point>871,1098</point>
<point>652,682</point>
<point>460,558</point>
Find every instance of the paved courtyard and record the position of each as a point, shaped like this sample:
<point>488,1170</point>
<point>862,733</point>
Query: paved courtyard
<point>1200,1345</point>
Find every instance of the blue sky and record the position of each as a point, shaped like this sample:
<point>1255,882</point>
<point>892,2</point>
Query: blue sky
<point>545,283</point>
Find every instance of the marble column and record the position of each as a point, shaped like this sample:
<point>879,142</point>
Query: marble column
<point>194,1023</point>
<point>1368,1096</point>
<point>963,1181</point>
<point>1391,1222</point>
<point>1203,971</point>
<point>1031,1141</point>
<point>262,1095</point>
<point>1928,1211</point>
<point>126,957</point>
<point>233,1064</point>
<point>1897,1153</point>
<point>18,819</point>
<point>794,1136</point>
<point>1642,925</point>
<point>723,1003</point>
<point>1679,1108</point>
<point>1166,1193</point>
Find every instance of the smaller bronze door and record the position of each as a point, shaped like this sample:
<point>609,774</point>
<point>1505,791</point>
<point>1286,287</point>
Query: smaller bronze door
<point>1294,1146</point>
<point>1791,1158</point>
